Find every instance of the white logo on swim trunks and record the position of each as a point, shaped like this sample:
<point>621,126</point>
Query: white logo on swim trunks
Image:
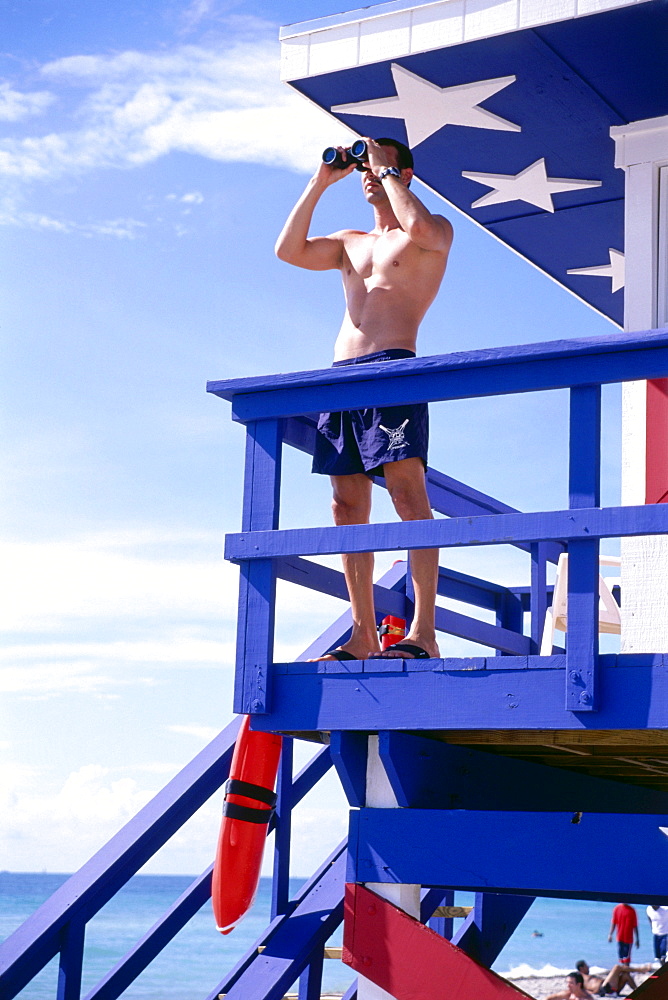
<point>396,435</point>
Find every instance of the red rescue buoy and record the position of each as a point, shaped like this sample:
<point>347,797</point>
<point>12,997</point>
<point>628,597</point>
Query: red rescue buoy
<point>391,630</point>
<point>247,810</point>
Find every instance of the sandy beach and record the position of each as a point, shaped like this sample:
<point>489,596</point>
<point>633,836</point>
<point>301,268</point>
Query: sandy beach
<point>540,987</point>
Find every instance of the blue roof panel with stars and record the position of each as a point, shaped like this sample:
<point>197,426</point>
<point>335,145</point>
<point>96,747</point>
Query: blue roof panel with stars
<point>515,131</point>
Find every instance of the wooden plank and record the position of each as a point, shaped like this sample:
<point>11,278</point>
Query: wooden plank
<point>280,883</point>
<point>349,753</point>
<point>452,912</point>
<point>70,966</point>
<point>486,697</point>
<point>491,924</point>
<point>428,774</point>
<point>584,491</point>
<point>648,738</point>
<point>408,960</point>
<point>538,604</point>
<point>257,585</point>
<point>531,367</point>
<point>536,853</point>
<point>503,529</point>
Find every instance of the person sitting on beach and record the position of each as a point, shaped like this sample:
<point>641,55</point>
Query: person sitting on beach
<point>618,977</point>
<point>575,989</point>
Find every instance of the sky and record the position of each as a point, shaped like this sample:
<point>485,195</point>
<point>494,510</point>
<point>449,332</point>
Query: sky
<point>149,156</point>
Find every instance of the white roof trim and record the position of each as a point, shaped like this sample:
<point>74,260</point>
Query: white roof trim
<point>403,27</point>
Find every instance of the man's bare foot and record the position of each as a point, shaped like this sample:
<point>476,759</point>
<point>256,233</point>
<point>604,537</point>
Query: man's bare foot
<point>348,651</point>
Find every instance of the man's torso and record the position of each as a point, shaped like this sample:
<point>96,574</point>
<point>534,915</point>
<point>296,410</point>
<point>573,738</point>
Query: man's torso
<point>389,284</point>
<point>626,922</point>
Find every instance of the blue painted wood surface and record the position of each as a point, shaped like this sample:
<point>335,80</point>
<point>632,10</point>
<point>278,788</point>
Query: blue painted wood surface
<point>491,924</point>
<point>584,490</point>
<point>537,854</point>
<point>538,603</point>
<point>257,583</point>
<point>526,368</point>
<point>349,753</point>
<point>310,981</point>
<point>510,692</point>
<point>429,774</point>
<point>608,522</point>
<point>280,883</point>
<point>71,960</point>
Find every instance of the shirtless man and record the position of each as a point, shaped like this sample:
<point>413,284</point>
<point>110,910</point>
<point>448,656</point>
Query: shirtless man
<point>390,278</point>
<point>575,989</point>
<point>618,977</point>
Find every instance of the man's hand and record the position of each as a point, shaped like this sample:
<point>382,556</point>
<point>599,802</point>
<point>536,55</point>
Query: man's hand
<point>378,156</point>
<point>326,175</point>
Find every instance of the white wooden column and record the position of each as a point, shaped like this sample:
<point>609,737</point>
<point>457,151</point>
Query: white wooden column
<point>379,795</point>
<point>641,150</point>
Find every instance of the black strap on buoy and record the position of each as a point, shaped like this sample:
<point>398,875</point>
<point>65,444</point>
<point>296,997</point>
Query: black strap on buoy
<point>235,786</point>
<point>248,813</point>
<point>233,811</point>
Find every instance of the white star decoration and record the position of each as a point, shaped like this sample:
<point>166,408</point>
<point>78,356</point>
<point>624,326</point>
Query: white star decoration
<point>613,270</point>
<point>531,185</point>
<point>426,107</point>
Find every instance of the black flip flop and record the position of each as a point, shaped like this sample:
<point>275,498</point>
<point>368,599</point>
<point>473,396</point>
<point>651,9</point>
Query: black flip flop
<point>416,652</point>
<point>340,654</point>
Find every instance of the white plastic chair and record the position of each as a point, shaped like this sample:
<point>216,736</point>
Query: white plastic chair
<point>556,617</point>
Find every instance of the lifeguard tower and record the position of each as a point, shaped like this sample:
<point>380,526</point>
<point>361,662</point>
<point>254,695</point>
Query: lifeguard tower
<point>515,774</point>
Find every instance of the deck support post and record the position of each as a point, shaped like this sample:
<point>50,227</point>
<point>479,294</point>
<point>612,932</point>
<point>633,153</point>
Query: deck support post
<point>584,475</point>
<point>380,795</point>
<point>280,885</point>
<point>71,961</point>
<point>257,584</point>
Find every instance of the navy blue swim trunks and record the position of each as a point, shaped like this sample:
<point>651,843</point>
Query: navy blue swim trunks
<point>363,441</point>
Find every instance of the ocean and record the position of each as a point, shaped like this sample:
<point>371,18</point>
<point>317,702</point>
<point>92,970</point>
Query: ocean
<point>554,934</point>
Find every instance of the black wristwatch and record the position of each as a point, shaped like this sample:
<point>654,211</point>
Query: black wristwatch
<point>389,172</point>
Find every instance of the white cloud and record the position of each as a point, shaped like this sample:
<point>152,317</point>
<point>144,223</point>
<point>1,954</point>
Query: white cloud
<point>224,103</point>
<point>15,105</point>
<point>107,577</point>
<point>192,198</point>
<point>11,214</point>
<point>59,828</point>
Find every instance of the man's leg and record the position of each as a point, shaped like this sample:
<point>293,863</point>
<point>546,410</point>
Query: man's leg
<point>406,485</point>
<point>351,504</point>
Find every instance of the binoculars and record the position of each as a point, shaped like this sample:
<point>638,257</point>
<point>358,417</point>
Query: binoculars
<point>356,154</point>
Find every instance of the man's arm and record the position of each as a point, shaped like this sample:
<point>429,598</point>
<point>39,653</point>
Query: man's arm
<point>294,246</point>
<point>430,232</point>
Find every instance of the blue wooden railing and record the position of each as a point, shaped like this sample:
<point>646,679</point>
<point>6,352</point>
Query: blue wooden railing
<point>275,410</point>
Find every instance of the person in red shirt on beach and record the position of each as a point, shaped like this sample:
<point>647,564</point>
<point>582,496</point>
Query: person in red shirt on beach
<point>625,919</point>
